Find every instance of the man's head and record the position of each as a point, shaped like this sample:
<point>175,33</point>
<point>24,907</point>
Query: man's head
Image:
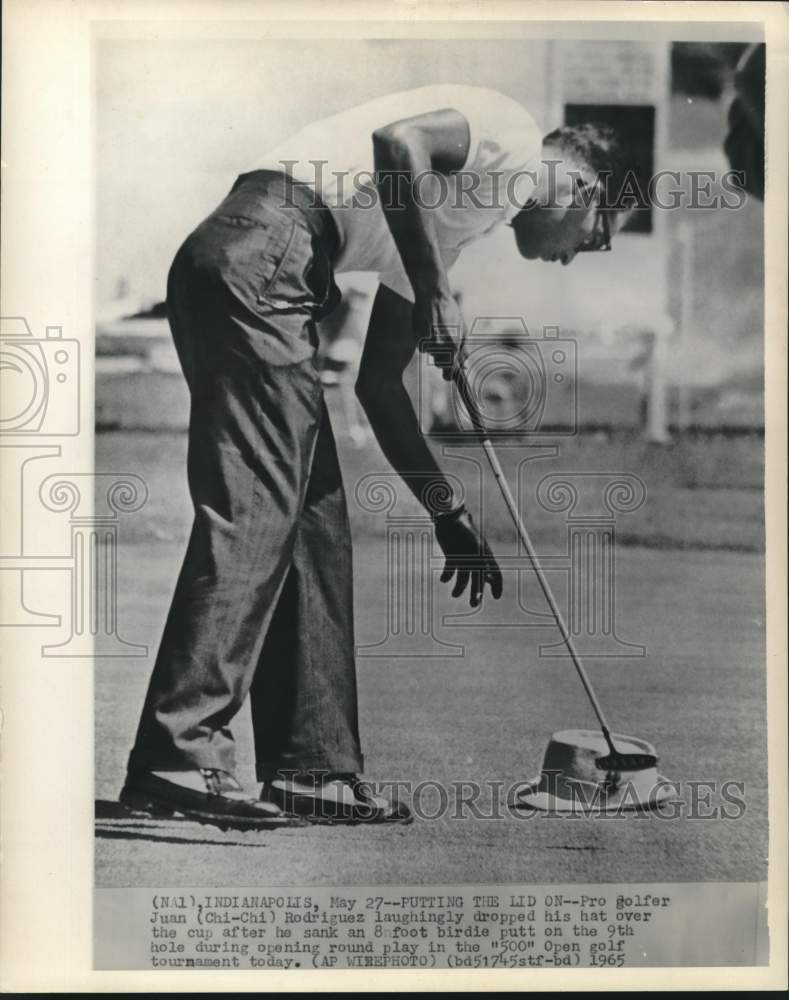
<point>575,205</point>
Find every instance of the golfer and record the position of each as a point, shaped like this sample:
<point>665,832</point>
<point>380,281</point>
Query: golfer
<point>263,604</point>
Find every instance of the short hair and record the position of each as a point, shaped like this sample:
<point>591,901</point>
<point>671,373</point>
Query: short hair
<point>601,150</point>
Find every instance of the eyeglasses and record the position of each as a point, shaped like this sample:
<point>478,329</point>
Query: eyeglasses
<point>600,237</point>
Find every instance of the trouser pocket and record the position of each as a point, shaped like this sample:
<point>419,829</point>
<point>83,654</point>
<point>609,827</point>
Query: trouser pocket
<point>267,254</point>
<point>254,286</point>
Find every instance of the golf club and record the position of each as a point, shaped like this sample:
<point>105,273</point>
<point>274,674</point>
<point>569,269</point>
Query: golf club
<point>614,761</point>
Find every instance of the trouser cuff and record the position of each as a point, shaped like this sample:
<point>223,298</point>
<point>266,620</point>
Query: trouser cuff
<point>336,764</point>
<point>180,760</point>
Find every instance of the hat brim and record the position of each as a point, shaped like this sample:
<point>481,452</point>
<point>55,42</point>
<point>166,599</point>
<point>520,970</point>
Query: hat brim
<point>534,798</point>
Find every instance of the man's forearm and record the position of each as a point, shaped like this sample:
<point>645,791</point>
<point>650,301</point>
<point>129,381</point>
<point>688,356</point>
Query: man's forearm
<point>396,429</point>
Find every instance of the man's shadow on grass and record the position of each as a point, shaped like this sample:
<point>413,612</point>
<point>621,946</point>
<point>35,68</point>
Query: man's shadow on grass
<point>115,821</point>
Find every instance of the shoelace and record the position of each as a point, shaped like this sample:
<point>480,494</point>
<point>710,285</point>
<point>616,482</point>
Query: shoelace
<point>217,780</point>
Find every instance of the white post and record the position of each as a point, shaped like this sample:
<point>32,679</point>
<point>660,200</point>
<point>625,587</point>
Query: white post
<point>656,429</point>
<point>686,321</point>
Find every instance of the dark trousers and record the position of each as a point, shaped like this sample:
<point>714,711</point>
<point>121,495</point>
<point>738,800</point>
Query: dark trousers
<point>263,603</point>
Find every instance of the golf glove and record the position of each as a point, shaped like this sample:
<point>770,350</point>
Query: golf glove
<point>468,557</point>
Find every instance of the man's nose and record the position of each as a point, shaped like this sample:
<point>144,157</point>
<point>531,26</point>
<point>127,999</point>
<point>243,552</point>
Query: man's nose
<point>567,256</point>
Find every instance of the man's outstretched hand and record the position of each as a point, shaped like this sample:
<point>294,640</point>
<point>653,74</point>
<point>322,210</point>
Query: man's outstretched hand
<point>468,557</point>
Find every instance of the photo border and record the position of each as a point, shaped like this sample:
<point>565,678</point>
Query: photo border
<point>46,932</point>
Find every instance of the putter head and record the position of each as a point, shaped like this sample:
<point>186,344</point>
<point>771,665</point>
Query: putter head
<point>626,762</point>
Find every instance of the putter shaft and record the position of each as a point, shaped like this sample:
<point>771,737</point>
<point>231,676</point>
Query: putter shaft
<point>479,427</point>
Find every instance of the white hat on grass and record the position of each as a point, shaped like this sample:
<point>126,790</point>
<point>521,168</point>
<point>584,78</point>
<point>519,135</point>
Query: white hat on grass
<point>572,782</point>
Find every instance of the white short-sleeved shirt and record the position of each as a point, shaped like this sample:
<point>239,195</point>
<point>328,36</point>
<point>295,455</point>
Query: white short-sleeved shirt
<point>492,186</point>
